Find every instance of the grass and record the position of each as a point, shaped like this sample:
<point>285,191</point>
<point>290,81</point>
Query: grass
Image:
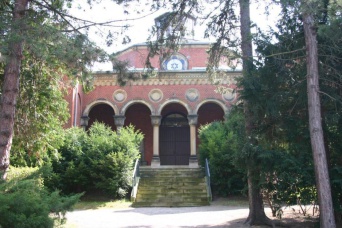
<point>232,201</point>
<point>92,203</point>
<point>100,204</point>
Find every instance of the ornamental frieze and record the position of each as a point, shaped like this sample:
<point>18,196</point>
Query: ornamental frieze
<point>169,79</point>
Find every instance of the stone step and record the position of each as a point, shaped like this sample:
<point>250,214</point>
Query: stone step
<point>153,190</point>
<point>170,204</point>
<point>172,194</point>
<point>169,200</point>
<point>172,178</point>
<point>171,187</point>
<point>173,197</point>
<point>179,183</point>
<point>171,172</point>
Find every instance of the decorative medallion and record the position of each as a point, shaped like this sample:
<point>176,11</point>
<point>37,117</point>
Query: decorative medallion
<point>175,62</point>
<point>155,95</point>
<point>229,95</point>
<point>120,95</point>
<point>192,94</point>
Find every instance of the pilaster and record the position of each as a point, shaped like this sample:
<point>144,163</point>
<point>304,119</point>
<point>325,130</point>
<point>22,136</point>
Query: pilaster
<point>193,161</point>
<point>155,121</point>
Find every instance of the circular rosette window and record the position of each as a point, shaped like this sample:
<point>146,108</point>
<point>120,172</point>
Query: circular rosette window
<point>229,94</point>
<point>155,95</point>
<point>120,95</point>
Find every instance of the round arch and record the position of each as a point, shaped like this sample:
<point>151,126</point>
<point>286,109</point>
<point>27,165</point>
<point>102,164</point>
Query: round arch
<point>130,103</point>
<point>97,102</point>
<point>218,102</point>
<point>186,106</point>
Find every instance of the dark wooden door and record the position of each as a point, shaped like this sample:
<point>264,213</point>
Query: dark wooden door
<point>174,146</point>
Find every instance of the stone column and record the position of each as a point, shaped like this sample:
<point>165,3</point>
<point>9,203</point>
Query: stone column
<point>155,120</point>
<point>193,161</point>
<point>84,122</point>
<point>119,122</point>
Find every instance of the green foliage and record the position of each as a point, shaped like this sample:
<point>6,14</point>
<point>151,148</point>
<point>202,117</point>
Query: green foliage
<point>221,143</point>
<point>278,93</point>
<point>124,74</point>
<point>52,50</point>
<point>25,202</point>
<point>100,160</point>
<point>52,37</point>
<point>40,115</point>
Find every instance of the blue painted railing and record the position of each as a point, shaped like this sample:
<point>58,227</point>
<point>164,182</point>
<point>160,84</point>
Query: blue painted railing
<point>135,180</point>
<point>207,174</point>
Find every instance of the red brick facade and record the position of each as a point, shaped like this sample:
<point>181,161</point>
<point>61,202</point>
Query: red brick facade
<point>196,55</point>
<point>188,92</point>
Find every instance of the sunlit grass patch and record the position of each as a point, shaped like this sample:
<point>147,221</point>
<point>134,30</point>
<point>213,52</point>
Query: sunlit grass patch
<point>93,204</point>
<point>233,201</point>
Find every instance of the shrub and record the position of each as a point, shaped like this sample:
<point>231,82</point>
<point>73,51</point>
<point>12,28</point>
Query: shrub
<point>25,202</point>
<point>100,160</point>
<point>219,142</point>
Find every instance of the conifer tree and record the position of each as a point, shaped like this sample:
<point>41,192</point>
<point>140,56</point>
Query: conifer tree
<point>44,30</point>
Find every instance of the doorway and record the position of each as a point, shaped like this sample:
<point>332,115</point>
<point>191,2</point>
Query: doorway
<point>174,140</point>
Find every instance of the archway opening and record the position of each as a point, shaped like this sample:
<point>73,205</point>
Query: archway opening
<point>208,113</point>
<point>139,115</point>
<point>174,136</point>
<point>102,113</point>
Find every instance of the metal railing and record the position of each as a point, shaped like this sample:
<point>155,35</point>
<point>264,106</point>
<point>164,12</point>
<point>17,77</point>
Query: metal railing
<point>207,175</point>
<point>135,180</point>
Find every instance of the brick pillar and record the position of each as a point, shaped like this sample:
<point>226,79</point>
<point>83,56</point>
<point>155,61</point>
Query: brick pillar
<point>193,161</point>
<point>155,120</point>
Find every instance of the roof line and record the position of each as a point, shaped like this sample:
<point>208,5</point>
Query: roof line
<point>145,44</point>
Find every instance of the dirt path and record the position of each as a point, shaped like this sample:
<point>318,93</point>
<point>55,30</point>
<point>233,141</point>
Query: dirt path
<point>214,216</point>
<point>208,216</point>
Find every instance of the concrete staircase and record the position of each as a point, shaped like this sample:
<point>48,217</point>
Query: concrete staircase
<point>171,187</point>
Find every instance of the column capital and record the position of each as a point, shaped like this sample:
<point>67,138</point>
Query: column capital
<point>155,120</point>
<point>192,119</point>
<point>119,120</point>
<point>84,121</point>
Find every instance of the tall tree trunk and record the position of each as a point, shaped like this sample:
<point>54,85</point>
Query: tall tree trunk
<point>10,88</point>
<point>257,214</point>
<point>327,219</point>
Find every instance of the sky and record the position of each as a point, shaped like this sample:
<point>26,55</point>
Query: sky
<point>138,32</point>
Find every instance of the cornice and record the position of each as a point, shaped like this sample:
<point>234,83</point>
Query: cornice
<point>187,43</point>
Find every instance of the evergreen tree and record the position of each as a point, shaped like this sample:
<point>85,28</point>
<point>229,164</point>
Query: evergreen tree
<point>53,39</point>
<point>282,93</point>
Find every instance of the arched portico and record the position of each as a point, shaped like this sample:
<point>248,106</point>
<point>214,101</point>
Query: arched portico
<point>173,101</point>
<point>92,104</point>
<point>209,112</point>
<point>215,101</point>
<point>133,102</point>
<point>174,135</point>
<point>174,139</point>
<point>139,115</point>
<point>100,112</point>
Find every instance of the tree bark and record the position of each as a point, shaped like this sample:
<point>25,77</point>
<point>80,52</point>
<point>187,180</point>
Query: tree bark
<point>10,88</point>
<point>327,219</point>
<point>257,214</point>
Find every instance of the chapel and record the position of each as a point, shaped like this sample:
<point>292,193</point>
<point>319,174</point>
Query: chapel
<point>168,107</point>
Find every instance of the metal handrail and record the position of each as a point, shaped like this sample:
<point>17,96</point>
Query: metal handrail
<point>135,180</point>
<point>207,174</point>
